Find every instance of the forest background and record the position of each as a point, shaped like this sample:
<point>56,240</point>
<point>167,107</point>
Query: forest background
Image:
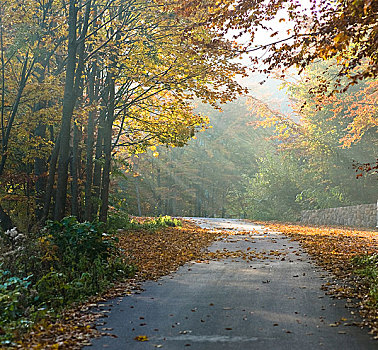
<point>260,163</point>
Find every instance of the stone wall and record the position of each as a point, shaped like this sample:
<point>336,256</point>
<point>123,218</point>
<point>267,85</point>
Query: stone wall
<point>363,215</point>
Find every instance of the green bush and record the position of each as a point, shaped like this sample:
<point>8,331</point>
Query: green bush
<point>120,220</point>
<point>81,260</point>
<point>79,243</point>
<point>15,300</point>
<point>163,221</point>
<point>367,267</point>
<point>52,288</point>
<point>70,261</point>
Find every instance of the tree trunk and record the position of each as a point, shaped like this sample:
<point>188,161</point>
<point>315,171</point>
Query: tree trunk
<point>5,220</point>
<point>223,205</point>
<point>74,174</point>
<point>138,197</point>
<point>98,164</point>
<point>40,169</point>
<point>50,182</point>
<point>105,184</point>
<point>69,101</point>
<point>159,201</point>
<point>198,210</point>
<point>89,148</point>
<point>107,152</point>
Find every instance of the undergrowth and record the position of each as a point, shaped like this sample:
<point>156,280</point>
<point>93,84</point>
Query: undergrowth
<point>367,267</point>
<point>121,221</point>
<point>43,273</point>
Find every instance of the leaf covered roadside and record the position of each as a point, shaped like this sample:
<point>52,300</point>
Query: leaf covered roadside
<point>155,252</point>
<point>160,252</point>
<point>352,257</point>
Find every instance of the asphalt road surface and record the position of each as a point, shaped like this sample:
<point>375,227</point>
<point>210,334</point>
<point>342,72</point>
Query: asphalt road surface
<point>272,303</point>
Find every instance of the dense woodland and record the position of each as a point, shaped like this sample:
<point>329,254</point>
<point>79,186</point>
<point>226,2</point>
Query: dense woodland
<point>85,80</point>
<point>110,108</point>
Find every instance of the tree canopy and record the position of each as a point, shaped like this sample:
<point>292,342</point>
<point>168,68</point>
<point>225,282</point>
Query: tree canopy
<point>317,30</point>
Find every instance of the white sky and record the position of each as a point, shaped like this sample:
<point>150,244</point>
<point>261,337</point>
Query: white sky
<point>269,92</point>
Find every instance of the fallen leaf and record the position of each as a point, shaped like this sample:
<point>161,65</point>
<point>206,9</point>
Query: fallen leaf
<point>141,338</point>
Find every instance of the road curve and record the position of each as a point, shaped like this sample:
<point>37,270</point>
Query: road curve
<point>273,301</point>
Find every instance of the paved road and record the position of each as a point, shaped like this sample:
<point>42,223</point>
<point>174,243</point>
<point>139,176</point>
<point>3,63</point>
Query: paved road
<point>273,303</point>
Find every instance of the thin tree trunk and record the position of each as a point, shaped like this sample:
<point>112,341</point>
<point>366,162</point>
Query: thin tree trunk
<point>223,204</point>
<point>50,181</point>
<point>159,201</point>
<point>74,173</point>
<point>107,152</point>
<point>89,149</point>
<point>138,197</point>
<point>198,203</point>
<point>40,169</point>
<point>98,164</point>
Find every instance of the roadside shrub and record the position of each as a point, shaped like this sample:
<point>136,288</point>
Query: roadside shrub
<point>163,221</point>
<point>81,260</point>
<point>52,288</point>
<point>42,274</point>
<point>120,220</point>
<point>367,267</point>
<point>15,301</point>
<point>76,244</point>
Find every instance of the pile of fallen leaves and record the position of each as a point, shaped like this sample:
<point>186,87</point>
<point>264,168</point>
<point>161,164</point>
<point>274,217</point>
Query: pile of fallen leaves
<point>333,249</point>
<point>154,252</point>
<point>157,253</point>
